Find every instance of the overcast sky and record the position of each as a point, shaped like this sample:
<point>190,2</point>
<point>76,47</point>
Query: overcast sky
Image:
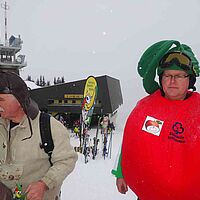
<point>78,38</point>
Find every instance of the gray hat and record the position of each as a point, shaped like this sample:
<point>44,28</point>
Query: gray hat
<point>11,83</point>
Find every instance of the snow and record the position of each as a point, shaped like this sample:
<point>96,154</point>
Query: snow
<point>94,181</point>
<point>31,85</point>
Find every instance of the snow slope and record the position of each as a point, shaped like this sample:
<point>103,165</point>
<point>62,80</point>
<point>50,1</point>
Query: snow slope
<point>94,181</point>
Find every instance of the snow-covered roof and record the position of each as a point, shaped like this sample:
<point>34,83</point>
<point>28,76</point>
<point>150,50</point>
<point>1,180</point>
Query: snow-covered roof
<point>31,85</point>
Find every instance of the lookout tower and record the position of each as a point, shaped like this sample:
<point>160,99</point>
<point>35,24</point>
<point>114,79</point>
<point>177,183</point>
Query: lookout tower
<point>10,59</point>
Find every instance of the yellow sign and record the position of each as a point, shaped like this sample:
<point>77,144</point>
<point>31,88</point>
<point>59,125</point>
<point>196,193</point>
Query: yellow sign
<point>90,92</point>
<point>73,96</point>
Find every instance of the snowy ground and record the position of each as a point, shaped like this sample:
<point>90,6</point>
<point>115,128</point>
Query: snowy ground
<point>94,181</point>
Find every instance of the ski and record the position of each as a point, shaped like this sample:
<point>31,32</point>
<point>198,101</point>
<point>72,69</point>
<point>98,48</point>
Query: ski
<point>96,140</point>
<point>105,139</point>
<point>110,143</point>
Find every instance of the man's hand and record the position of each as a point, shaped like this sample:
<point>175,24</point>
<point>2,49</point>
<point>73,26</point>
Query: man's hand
<point>121,185</point>
<point>36,190</point>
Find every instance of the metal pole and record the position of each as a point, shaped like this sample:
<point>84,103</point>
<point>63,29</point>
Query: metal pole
<point>5,7</point>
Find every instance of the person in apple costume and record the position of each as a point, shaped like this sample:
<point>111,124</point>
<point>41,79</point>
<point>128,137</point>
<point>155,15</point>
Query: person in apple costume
<point>161,143</point>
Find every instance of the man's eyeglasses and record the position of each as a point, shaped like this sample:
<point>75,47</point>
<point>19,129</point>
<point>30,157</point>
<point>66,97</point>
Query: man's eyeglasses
<point>178,77</point>
<point>5,90</point>
<point>178,58</point>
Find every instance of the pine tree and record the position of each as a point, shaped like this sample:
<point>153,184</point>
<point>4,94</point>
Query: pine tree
<point>48,83</point>
<point>29,78</point>
<point>58,80</point>
<point>40,81</point>
<point>54,81</point>
<point>37,82</point>
<point>43,81</point>
<point>62,79</point>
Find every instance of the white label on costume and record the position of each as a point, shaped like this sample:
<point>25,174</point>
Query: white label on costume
<point>152,125</point>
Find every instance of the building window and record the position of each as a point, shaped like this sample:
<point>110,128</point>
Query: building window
<point>50,101</point>
<point>78,102</point>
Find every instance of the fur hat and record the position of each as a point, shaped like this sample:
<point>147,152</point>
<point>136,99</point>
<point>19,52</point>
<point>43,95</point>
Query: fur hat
<point>11,83</point>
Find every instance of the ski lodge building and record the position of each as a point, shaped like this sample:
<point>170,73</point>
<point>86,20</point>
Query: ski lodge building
<point>65,99</point>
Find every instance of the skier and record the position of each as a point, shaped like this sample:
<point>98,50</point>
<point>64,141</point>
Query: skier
<point>111,127</point>
<point>76,131</point>
<point>161,138</point>
<point>104,124</point>
<point>104,127</point>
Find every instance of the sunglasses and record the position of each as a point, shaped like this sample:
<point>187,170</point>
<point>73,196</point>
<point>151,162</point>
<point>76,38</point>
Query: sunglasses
<point>5,90</point>
<point>177,58</point>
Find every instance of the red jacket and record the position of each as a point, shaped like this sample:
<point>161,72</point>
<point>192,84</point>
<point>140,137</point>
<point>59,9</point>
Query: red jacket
<point>161,148</point>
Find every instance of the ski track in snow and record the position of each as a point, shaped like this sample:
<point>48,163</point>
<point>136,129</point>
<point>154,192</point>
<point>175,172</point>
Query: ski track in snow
<point>94,181</point>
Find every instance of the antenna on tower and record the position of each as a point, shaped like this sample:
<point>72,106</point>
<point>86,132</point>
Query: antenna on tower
<point>5,7</point>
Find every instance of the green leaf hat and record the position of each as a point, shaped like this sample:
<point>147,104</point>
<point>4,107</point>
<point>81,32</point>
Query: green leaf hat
<point>149,62</point>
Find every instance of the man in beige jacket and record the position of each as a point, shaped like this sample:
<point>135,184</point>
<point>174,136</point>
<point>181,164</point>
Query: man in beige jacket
<point>21,158</point>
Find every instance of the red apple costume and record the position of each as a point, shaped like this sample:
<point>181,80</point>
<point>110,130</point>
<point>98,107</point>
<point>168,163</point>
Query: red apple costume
<point>161,148</point>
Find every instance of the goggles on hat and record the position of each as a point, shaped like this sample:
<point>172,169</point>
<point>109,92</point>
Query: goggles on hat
<point>5,90</point>
<point>178,58</point>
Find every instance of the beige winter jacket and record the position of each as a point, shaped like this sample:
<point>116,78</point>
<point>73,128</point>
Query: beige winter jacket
<point>23,161</point>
